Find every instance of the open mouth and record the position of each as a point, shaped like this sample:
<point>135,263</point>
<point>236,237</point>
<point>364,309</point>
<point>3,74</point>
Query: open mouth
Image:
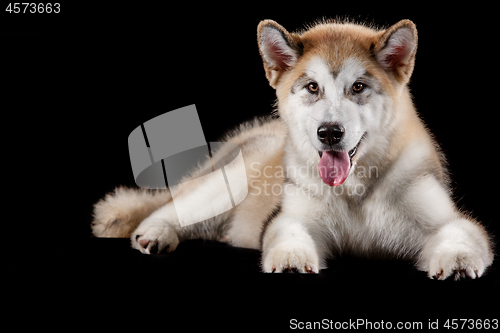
<point>351,152</point>
<point>334,166</point>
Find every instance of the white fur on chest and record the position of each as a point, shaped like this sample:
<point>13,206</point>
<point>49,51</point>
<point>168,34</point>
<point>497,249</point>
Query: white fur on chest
<point>392,217</point>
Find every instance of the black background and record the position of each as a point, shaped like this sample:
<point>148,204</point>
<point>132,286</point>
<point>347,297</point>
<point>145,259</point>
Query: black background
<point>75,85</point>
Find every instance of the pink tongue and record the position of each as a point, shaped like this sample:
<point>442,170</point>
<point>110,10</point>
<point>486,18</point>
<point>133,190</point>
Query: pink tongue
<point>334,167</point>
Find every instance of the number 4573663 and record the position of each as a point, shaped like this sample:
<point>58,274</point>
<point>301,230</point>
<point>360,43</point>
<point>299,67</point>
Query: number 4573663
<point>33,8</point>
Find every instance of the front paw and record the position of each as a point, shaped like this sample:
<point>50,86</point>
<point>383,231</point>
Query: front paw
<point>287,257</point>
<point>154,236</point>
<point>460,248</point>
<point>460,263</point>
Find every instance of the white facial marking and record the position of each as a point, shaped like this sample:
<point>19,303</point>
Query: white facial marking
<point>335,102</point>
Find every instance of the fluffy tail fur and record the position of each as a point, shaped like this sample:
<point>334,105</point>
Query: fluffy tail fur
<point>120,212</point>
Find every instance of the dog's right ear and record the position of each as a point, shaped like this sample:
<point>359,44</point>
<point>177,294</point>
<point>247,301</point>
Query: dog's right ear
<point>278,48</point>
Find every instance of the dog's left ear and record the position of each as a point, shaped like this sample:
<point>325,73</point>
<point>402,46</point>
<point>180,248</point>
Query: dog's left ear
<point>395,50</point>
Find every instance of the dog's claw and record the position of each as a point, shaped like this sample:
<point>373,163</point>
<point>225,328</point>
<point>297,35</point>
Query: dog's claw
<point>154,248</point>
<point>438,274</point>
<point>310,270</point>
<point>290,269</point>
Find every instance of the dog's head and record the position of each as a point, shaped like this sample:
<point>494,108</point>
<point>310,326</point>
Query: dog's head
<point>335,84</point>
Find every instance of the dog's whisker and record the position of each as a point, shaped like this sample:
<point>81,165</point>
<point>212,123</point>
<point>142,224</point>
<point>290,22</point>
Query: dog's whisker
<point>356,116</point>
<point>311,116</point>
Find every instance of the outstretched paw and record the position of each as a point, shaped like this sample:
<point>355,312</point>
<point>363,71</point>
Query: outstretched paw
<point>286,258</point>
<point>459,264</point>
<point>155,237</point>
<point>460,249</point>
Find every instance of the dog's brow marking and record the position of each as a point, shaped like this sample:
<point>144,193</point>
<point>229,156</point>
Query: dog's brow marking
<point>367,74</point>
<point>298,83</point>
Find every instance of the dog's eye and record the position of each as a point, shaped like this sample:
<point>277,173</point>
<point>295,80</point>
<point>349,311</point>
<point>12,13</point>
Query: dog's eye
<point>312,87</point>
<point>358,87</point>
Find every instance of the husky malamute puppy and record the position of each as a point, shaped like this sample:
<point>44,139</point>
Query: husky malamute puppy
<point>348,167</point>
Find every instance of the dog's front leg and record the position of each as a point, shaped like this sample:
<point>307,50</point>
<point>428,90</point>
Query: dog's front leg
<point>460,247</point>
<point>454,243</point>
<point>288,246</point>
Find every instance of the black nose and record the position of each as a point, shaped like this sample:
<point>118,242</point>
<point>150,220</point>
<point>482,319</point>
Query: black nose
<point>330,133</point>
